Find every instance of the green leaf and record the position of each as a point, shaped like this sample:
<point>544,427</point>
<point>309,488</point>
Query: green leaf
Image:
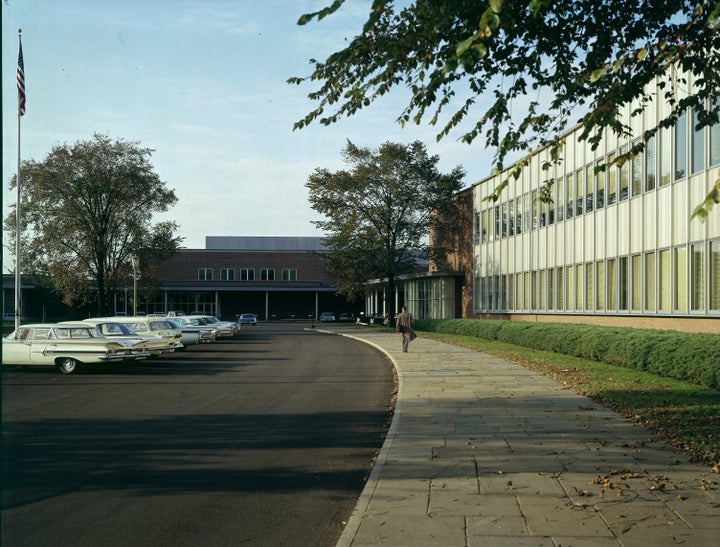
<point>463,46</point>
<point>598,73</point>
<point>714,16</point>
<point>480,49</point>
<point>496,5</point>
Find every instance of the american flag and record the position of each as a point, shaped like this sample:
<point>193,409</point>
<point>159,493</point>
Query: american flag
<point>21,82</point>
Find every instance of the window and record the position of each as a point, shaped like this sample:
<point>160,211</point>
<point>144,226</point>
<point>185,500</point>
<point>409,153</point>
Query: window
<point>247,274</point>
<point>561,288</point>
<point>698,146</point>
<point>665,156</point>
<point>612,285</point>
<point>600,285</point>
<point>697,277</point>
<point>551,289</point>
<point>569,199</point>
<point>490,224</point>
<point>504,226</point>
<point>579,287</point>
<point>543,290</point>
<point>478,293</point>
<point>533,209</point>
<point>499,230</point>
<point>534,290</point>
<point>510,292</point>
<point>527,213</point>
<point>518,291</point>
<point>526,292</point>
<point>579,192</point>
<point>589,286</point>
<point>637,282</point>
<point>650,281</point>
<point>589,189</point>
<point>665,279</point>
<point>681,147</point>
<point>511,218</point>
<point>715,275</point>
<point>570,287</point>
<point>484,229</point>
<point>289,274</point>
<point>637,163</point>
<point>551,211</point>
<point>612,173</point>
<point>560,199</point>
<point>518,215</point>
<point>205,274</point>
<point>227,274</point>
<point>623,283</point>
<point>624,177</point>
<point>650,164</point>
<point>267,274</point>
<point>715,139</point>
<point>681,279</point>
<point>600,182</point>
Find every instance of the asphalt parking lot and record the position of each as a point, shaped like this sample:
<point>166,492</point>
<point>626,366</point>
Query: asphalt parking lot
<point>265,439</point>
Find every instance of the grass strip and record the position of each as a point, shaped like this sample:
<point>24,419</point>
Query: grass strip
<point>685,415</point>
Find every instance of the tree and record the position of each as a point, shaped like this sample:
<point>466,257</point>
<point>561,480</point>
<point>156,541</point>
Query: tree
<point>85,211</point>
<point>380,212</point>
<point>544,59</point>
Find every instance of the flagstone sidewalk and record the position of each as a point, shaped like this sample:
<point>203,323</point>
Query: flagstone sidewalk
<point>482,452</point>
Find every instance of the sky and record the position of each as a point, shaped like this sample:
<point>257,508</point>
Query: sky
<point>204,84</point>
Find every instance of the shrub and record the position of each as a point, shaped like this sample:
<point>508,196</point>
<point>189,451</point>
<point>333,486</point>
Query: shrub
<point>681,356</point>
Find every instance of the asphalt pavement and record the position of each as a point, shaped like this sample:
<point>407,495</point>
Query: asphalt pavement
<point>483,452</point>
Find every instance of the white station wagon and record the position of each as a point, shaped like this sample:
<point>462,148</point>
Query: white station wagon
<point>144,325</point>
<point>66,346</point>
<point>156,344</point>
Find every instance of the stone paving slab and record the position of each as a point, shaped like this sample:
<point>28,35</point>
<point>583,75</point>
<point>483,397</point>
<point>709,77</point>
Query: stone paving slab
<point>482,452</point>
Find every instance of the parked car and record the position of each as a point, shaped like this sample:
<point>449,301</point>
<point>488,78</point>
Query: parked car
<point>327,316</point>
<point>248,319</point>
<point>188,336</point>
<point>223,329</point>
<point>156,344</point>
<point>202,335</point>
<point>143,325</point>
<point>67,346</point>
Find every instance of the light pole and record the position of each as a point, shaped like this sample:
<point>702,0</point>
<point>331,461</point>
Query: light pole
<point>135,264</point>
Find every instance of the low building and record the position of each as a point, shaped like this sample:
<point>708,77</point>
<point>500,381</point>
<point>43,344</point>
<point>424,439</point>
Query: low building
<point>277,278</point>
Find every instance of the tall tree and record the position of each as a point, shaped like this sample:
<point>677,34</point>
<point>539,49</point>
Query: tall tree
<point>86,209</point>
<point>380,211</point>
<point>517,71</point>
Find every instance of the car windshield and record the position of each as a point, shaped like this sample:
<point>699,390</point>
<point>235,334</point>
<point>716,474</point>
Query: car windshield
<point>160,325</point>
<point>113,329</point>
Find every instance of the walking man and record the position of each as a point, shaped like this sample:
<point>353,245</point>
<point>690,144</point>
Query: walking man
<point>406,327</point>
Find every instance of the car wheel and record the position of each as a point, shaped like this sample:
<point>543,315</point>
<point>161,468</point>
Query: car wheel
<point>67,365</point>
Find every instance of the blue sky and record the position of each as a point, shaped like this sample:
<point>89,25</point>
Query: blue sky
<point>203,83</point>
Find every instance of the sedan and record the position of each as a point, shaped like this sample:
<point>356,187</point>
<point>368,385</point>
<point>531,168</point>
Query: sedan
<point>67,346</point>
<point>248,319</point>
<point>327,316</point>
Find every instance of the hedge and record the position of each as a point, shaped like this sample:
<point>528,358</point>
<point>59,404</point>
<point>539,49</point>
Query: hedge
<point>690,357</point>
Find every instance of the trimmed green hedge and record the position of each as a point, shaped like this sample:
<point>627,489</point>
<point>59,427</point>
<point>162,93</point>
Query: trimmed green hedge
<point>683,356</point>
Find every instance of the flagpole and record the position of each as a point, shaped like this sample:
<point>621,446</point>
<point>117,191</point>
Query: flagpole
<point>21,111</point>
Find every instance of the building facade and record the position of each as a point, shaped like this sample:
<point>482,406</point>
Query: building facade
<point>277,278</point>
<point>613,247</point>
